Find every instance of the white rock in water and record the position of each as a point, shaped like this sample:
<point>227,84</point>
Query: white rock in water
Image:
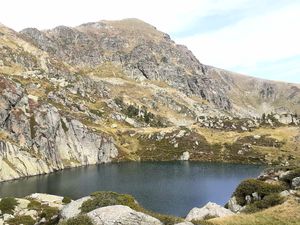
<point>185,156</point>
<point>121,215</point>
<point>210,209</point>
<point>73,208</point>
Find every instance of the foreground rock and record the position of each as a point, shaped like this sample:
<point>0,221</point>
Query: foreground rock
<point>210,210</point>
<point>121,215</point>
<point>73,208</point>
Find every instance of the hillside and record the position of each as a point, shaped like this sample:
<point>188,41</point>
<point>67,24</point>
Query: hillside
<point>122,90</point>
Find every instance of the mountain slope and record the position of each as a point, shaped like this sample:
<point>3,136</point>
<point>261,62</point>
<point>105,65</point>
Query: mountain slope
<point>122,90</point>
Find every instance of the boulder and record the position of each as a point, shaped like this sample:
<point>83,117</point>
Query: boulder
<point>284,193</point>
<point>296,183</point>
<point>233,205</point>
<point>121,215</point>
<point>209,210</point>
<point>73,209</point>
<point>185,156</point>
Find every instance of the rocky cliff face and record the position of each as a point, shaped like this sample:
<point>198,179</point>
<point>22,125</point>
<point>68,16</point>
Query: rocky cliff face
<point>122,90</point>
<point>37,139</point>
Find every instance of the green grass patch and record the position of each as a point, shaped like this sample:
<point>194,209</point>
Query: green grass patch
<point>7,205</point>
<point>250,186</point>
<point>66,200</point>
<point>267,202</point>
<point>79,220</point>
<point>25,220</point>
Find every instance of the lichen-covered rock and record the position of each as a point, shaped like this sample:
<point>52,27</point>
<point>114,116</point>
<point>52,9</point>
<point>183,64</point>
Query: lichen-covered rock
<point>209,210</point>
<point>123,215</point>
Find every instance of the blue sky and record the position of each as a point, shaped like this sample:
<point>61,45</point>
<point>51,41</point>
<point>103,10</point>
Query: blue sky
<point>254,37</point>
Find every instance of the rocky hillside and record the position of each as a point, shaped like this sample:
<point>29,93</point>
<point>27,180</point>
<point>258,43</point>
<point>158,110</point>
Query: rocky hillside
<point>122,90</point>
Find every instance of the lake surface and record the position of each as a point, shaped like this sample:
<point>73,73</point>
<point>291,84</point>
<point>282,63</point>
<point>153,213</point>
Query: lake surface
<point>169,187</point>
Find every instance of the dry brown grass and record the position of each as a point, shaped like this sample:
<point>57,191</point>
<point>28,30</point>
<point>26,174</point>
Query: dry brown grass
<point>286,214</point>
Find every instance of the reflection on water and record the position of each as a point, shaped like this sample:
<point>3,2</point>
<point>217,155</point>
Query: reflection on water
<point>171,187</point>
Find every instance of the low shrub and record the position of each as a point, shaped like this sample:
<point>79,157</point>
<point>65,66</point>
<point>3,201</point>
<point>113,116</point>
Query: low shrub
<point>250,186</point>
<point>79,220</point>
<point>7,205</point>
<point>267,202</point>
<point>66,200</point>
<point>34,205</point>
<point>102,199</point>
<point>25,220</point>
<point>48,212</point>
<point>291,175</point>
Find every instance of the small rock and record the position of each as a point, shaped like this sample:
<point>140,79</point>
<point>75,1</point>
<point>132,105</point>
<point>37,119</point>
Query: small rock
<point>7,217</point>
<point>248,199</point>
<point>256,137</point>
<point>284,193</point>
<point>255,196</point>
<point>185,156</point>
<point>114,125</point>
<point>296,183</point>
<point>233,205</point>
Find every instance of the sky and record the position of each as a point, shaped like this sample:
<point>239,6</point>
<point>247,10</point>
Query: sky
<point>255,37</point>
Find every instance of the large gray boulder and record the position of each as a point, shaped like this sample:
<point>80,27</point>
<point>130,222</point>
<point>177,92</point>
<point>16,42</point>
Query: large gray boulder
<point>209,210</point>
<point>121,215</point>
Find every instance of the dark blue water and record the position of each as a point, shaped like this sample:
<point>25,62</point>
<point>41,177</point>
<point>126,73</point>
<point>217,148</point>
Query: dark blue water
<point>171,187</point>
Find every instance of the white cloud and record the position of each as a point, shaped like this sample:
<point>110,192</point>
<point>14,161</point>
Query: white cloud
<point>169,16</point>
<point>252,41</point>
<point>242,46</point>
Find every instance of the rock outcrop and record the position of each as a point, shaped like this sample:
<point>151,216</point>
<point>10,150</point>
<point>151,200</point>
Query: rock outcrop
<point>123,215</point>
<point>39,139</point>
<point>73,208</point>
<point>210,210</point>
